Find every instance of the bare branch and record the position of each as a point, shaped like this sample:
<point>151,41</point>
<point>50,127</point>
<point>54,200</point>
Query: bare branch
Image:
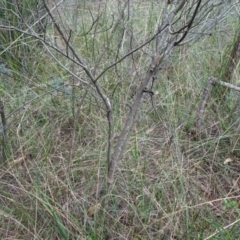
<point>68,44</point>
<point>111,35</point>
<point>4,131</point>
<point>128,54</point>
<point>189,25</point>
<point>226,84</point>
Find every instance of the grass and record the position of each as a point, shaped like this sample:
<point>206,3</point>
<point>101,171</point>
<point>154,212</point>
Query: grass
<point>181,190</point>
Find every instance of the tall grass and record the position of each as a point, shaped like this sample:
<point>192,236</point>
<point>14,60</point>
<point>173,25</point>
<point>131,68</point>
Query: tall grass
<point>57,140</point>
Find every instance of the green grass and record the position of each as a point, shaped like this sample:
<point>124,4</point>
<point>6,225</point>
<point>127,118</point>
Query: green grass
<point>178,189</point>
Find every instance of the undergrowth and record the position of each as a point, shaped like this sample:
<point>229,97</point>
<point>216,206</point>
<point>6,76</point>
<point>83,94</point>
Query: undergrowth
<point>180,188</point>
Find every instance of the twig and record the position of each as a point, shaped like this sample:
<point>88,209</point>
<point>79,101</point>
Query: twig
<point>4,127</point>
<point>228,85</point>
<point>104,51</point>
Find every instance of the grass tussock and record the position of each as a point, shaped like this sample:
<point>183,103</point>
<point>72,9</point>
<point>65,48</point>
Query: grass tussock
<point>169,185</point>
